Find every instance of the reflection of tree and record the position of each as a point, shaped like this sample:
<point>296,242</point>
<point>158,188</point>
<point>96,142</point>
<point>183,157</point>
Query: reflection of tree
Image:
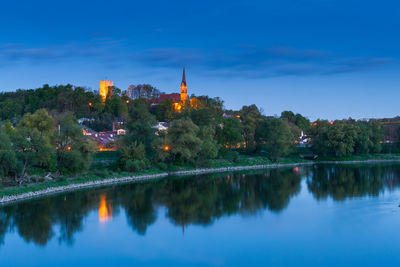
<point>139,208</point>
<point>342,182</point>
<point>4,222</point>
<point>197,200</point>
<point>202,200</point>
<point>34,221</point>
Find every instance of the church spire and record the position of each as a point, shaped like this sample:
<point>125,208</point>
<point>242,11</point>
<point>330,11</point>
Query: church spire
<point>184,96</point>
<point>184,77</point>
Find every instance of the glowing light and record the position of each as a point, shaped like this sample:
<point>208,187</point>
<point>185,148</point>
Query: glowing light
<point>166,148</point>
<point>68,148</point>
<point>90,104</point>
<point>105,89</point>
<point>105,211</point>
<point>331,122</point>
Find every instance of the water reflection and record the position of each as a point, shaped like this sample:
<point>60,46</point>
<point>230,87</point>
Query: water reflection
<point>105,210</point>
<point>197,200</point>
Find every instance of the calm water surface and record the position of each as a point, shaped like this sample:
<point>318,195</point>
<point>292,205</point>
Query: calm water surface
<point>313,216</point>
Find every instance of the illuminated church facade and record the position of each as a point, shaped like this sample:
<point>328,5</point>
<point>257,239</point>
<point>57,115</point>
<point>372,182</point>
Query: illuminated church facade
<point>180,100</point>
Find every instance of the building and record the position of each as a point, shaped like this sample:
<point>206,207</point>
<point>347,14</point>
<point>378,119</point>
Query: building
<point>106,89</point>
<point>179,100</point>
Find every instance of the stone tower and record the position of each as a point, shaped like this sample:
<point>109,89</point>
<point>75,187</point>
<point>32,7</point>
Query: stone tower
<point>105,89</point>
<point>184,95</point>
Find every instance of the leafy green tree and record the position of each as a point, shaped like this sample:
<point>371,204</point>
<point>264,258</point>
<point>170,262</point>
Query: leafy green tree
<point>209,146</point>
<point>183,139</point>
<point>139,126</point>
<point>133,157</point>
<point>8,160</point>
<point>33,150</point>
<point>302,123</point>
<point>74,150</point>
<point>164,111</point>
<point>40,120</point>
<point>275,136</point>
<point>319,132</point>
<point>251,118</point>
<point>230,133</point>
<point>342,138</point>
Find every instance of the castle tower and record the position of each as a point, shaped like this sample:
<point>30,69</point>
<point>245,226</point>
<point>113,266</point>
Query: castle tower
<point>184,95</point>
<point>105,89</point>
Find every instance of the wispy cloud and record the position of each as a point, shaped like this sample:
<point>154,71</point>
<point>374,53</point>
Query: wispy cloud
<point>247,61</point>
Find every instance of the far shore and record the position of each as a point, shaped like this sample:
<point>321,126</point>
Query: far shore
<point>57,189</point>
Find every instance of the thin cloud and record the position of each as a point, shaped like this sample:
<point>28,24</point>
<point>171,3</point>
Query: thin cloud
<point>247,61</point>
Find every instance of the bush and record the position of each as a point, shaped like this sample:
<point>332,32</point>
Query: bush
<point>102,173</point>
<point>71,162</point>
<point>162,166</point>
<point>135,165</point>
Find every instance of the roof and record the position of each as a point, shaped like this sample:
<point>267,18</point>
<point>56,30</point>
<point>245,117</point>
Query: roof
<point>174,97</point>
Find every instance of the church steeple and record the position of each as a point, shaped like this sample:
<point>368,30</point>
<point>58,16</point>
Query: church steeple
<point>184,77</point>
<point>184,95</point>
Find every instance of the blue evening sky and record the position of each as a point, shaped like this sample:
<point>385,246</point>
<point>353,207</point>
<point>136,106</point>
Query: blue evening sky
<point>322,58</point>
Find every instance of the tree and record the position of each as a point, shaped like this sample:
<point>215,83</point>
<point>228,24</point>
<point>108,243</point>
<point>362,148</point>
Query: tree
<point>251,118</point>
<point>164,111</point>
<point>139,126</point>
<point>8,160</point>
<point>183,140</point>
<point>74,150</point>
<point>133,157</point>
<point>296,120</point>
<point>209,146</point>
<point>275,136</point>
<point>143,91</point>
<point>230,133</point>
<point>342,138</point>
<point>33,149</point>
<point>319,132</point>
<point>40,120</point>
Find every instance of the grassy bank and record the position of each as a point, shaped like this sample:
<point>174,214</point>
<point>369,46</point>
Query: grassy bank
<point>361,157</point>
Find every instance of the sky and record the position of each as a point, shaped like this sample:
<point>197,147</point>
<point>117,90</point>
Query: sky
<point>328,59</point>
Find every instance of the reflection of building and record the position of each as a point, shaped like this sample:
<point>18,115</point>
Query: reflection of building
<point>105,211</point>
<point>105,89</point>
<point>179,100</point>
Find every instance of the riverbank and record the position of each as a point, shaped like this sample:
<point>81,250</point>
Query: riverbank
<point>50,188</point>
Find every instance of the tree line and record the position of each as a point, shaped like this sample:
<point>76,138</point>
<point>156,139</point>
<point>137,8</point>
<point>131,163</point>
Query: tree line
<point>40,134</point>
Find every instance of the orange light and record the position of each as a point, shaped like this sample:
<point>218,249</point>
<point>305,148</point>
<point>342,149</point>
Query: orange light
<point>127,101</point>
<point>237,116</point>
<point>331,122</point>
<point>90,104</point>
<point>68,148</point>
<point>166,148</point>
<point>105,211</point>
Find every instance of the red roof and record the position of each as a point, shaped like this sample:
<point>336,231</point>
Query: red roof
<point>174,97</point>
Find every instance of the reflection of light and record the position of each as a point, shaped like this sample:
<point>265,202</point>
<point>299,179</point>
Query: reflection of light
<point>105,212</point>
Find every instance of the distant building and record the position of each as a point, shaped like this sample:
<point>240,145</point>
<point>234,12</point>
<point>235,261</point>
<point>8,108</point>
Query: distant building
<point>179,100</point>
<point>106,89</point>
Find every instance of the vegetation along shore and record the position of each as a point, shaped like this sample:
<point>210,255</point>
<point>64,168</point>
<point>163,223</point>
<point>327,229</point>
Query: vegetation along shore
<point>69,137</point>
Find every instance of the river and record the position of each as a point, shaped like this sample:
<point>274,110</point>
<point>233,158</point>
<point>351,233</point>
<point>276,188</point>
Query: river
<point>322,215</point>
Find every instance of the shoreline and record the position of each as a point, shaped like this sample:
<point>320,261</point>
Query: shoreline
<point>148,177</point>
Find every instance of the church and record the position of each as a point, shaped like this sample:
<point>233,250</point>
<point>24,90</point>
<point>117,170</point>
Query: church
<point>180,100</point>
